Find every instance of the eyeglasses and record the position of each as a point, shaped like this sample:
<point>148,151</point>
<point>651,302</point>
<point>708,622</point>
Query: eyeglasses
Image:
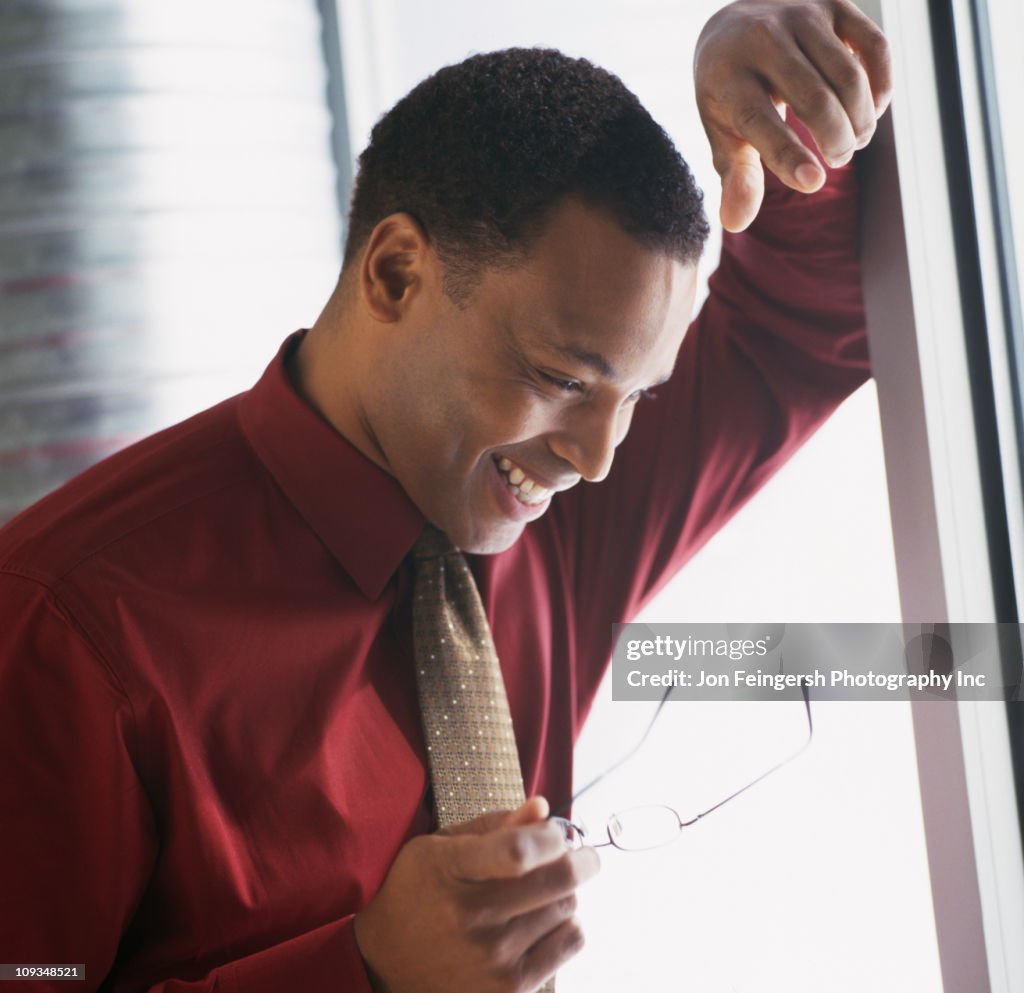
<point>651,826</point>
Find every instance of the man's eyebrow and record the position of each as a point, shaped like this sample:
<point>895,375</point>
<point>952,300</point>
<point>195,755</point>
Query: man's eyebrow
<point>595,360</point>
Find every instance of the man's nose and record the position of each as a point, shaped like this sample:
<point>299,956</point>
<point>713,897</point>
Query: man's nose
<point>588,438</point>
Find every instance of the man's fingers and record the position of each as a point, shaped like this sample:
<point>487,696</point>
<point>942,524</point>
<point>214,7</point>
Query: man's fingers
<point>843,119</point>
<point>759,130</point>
<point>536,808</point>
<point>552,882</point>
<point>549,954</point>
<point>533,810</point>
<point>508,853</point>
<point>525,931</point>
<point>867,40</point>
<point>548,884</point>
<point>484,824</point>
<point>759,123</point>
<point>798,82</point>
<point>822,58</point>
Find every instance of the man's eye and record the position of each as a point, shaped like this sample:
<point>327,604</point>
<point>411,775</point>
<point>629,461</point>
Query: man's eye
<point>642,395</point>
<point>566,385</point>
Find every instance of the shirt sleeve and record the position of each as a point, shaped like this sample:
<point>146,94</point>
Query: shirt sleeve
<point>78,838</point>
<point>778,344</point>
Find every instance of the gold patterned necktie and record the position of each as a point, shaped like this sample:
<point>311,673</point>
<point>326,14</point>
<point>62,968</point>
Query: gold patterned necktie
<point>471,747</point>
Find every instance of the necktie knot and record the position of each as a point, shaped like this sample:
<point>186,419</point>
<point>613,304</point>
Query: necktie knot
<point>432,544</point>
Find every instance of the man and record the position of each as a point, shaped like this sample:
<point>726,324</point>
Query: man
<point>221,778</point>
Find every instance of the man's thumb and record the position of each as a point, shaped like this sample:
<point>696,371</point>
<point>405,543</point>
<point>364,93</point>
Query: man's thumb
<point>742,190</point>
<point>534,809</point>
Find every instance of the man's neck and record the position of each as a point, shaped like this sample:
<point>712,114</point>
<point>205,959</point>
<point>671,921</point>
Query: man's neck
<point>320,376</point>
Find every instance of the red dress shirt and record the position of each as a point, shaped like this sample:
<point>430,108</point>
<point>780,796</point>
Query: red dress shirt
<point>210,749</point>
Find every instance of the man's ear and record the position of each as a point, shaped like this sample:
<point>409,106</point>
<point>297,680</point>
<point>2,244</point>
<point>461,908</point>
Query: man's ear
<point>398,263</point>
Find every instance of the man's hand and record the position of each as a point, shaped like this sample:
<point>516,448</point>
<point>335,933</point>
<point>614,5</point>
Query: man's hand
<point>824,59</point>
<point>486,906</point>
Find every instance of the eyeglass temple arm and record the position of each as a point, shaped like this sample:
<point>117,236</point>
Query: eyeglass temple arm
<point>583,789</point>
<point>805,692</point>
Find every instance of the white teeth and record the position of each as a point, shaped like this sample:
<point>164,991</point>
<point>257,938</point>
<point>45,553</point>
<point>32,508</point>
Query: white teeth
<point>525,489</point>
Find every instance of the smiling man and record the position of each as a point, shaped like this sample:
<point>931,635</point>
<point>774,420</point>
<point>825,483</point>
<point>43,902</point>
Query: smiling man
<point>485,408</point>
<point>207,678</point>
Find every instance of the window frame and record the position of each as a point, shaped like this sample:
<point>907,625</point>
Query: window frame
<point>952,452</point>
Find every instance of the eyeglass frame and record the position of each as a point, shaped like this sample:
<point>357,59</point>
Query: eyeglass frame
<point>575,832</point>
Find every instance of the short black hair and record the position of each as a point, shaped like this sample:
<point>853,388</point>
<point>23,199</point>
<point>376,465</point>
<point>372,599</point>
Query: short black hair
<point>480,152</point>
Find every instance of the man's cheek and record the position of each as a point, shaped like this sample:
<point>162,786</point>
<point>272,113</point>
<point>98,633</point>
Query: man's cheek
<point>520,419</point>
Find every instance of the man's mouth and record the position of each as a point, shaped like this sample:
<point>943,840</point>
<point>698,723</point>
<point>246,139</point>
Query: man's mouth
<point>525,489</point>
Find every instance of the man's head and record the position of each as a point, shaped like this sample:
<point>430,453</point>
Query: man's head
<point>519,270</point>
<point>481,152</point>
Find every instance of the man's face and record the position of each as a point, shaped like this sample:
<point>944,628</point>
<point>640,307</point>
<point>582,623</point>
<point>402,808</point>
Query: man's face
<point>490,408</point>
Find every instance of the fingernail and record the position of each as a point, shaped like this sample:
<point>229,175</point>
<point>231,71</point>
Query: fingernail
<point>808,175</point>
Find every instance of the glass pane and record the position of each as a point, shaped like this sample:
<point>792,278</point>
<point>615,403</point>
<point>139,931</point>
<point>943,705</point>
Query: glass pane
<point>1006,29</point>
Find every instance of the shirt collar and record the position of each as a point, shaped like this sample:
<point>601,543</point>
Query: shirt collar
<point>358,511</point>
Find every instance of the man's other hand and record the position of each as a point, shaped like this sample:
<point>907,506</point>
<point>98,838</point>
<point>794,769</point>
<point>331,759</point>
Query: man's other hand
<point>485,906</point>
<point>825,59</point>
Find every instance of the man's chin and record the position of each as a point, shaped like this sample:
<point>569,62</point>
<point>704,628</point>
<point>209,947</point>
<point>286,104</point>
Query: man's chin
<point>489,539</point>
